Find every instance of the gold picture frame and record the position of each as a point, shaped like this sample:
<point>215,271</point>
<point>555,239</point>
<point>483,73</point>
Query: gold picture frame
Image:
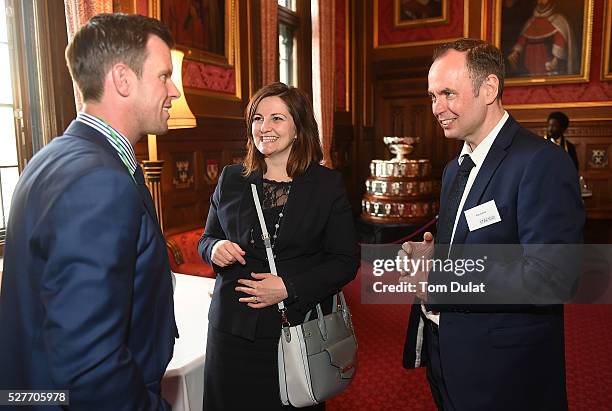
<point>544,44</point>
<point>201,42</point>
<point>376,43</point>
<point>419,13</point>
<point>606,55</point>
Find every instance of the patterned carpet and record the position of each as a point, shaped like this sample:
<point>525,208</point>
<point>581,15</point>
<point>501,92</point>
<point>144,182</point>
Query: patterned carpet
<point>382,383</point>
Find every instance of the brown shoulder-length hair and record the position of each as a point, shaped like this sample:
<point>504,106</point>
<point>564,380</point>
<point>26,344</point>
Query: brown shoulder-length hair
<point>306,149</point>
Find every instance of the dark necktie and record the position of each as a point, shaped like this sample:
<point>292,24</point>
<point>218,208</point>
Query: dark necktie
<point>448,215</point>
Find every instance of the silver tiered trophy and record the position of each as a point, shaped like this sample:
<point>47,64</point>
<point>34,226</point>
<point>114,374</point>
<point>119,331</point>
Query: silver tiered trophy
<point>400,190</point>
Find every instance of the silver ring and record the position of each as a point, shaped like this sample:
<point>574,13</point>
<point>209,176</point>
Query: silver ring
<point>256,299</point>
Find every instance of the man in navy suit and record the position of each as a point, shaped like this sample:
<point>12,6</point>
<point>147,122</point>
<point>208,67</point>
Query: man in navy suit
<point>86,302</point>
<point>524,193</point>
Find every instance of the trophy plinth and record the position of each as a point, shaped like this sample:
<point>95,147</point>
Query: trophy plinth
<point>400,190</point>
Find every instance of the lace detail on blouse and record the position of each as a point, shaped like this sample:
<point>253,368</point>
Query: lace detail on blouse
<point>275,193</point>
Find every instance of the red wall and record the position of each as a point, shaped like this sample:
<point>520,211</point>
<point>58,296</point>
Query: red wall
<point>593,91</point>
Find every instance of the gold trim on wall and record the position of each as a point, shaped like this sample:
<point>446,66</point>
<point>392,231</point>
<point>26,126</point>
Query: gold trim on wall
<point>578,104</point>
<point>484,18</point>
<point>154,9</point>
<point>216,94</point>
<point>127,6</point>
<point>466,18</point>
<point>420,22</point>
<point>606,70</point>
<point>585,62</point>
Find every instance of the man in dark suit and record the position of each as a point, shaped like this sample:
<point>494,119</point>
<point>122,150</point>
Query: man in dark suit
<point>86,302</point>
<point>525,193</point>
<point>556,124</point>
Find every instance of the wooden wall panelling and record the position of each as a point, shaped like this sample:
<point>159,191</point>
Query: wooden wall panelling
<point>593,141</point>
<point>255,58</point>
<point>390,95</point>
<point>343,149</point>
<point>213,144</point>
<point>404,109</point>
<point>364,39</point>
<point>352,145</point>
<point>590,129</point>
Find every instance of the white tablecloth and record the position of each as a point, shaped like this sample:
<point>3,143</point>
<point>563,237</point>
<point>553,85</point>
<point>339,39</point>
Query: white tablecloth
<point>183,383</point>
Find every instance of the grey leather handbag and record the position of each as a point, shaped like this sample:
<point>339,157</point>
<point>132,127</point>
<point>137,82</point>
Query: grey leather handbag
<point>316,359</point>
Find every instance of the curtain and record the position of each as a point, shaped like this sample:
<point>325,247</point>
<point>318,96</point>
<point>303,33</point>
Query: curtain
<point>269,41</point>
<point>323,69</point>
<point>78,12</point>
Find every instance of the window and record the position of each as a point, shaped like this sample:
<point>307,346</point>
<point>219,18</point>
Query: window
<point>288,28</point>
<point>287,51</point>
<point>288,4</point>
<point>36,96</point>
<point>9,158</point>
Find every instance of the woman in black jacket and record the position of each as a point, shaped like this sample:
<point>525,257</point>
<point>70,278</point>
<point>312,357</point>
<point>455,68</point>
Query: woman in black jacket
<point>311,227</point>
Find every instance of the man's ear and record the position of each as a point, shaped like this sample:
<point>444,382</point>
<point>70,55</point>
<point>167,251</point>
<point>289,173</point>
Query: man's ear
<point>491,87</point>
<point>121,76</point>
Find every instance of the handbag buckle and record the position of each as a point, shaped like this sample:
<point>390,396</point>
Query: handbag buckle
<point>284,319</point>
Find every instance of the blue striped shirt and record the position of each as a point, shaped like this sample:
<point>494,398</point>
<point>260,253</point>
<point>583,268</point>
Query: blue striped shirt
<point>120,143</point>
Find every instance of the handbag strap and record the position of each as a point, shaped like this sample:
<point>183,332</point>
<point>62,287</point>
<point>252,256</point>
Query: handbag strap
<point>336,305</point>
<point>270,254</point>
<point>266,239</point>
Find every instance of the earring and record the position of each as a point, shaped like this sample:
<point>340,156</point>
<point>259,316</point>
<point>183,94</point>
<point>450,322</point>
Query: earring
<point>295,138</point>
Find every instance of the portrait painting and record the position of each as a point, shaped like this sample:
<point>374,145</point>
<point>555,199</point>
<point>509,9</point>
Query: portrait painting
<point>196,25</point>
<point>420,12</point>
<point>544,40</point>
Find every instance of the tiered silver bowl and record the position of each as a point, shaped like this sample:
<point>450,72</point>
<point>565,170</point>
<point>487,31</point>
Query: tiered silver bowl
<point>400,190</point>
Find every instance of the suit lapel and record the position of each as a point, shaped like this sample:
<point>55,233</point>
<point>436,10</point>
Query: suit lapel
<point>496,154</point>
<point>449,176</point>
<point>300,195</point>
<point>492,161</point>
<point>246,209</point>
<point>145,195</point>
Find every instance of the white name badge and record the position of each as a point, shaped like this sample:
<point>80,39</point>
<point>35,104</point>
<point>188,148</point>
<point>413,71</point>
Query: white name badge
<point>482,215</point>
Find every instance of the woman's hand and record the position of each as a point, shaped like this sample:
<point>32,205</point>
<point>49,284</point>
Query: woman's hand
<point>226,253</point>
<point>267,289</point>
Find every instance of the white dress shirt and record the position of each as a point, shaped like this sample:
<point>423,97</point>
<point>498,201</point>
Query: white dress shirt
<point>478,156</point>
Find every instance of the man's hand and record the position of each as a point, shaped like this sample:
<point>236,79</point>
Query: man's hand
<point>226,253</point>
<point>267,289</point>
<point>418,253</point>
